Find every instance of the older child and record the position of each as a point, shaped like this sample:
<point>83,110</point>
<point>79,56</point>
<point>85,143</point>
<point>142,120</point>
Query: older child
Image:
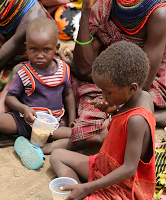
<point>125,166</point>
<point>41,83</point>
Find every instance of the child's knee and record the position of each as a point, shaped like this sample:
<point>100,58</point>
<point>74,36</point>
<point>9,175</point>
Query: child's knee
<point>56,156</point>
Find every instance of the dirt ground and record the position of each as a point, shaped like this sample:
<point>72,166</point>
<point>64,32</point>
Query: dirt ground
<point>160,134</point>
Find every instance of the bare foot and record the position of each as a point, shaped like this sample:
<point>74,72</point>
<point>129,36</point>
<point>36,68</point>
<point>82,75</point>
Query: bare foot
<point>160,116</point>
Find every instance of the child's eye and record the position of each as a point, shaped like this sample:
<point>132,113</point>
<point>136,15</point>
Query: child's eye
<point>46,50</point>
<point>33,49</point>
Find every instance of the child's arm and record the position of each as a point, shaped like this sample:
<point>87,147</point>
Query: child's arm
<point>69,103</point>
<point>133,152</point>
<point>16,105</point>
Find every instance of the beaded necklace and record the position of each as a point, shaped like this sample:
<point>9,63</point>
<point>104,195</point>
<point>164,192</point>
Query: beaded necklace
<point>11,16</point>
<point>131,16</point>
<point>3,5</point>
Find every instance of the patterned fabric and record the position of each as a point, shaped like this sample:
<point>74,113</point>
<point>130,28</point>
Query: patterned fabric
<point>103,28</point>
<point>160,162</point>
<point>5,74</point>
<point>68,20</point>
<point>90,120</point>
<point>141,185</point>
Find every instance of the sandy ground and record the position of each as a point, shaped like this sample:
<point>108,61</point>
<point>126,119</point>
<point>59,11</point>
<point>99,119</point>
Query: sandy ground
<point>19,183</point>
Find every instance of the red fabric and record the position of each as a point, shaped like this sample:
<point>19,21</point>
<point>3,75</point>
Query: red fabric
<point>141,186</point>
<point>90,120</point>
<point>107,32</point>
<point>127,3</point>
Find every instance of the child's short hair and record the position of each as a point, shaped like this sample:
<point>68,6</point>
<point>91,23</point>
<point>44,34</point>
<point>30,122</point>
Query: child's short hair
<point>43,24</point>
<point>122,63</point>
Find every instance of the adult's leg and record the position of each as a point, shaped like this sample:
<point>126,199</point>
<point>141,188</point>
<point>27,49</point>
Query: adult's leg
<point>70,164</point>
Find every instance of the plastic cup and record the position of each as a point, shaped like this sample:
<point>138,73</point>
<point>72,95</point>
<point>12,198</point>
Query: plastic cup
<point>61,182</point>
<point>42,127</point>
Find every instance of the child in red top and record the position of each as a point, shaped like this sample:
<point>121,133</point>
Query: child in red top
<point>125,166</point>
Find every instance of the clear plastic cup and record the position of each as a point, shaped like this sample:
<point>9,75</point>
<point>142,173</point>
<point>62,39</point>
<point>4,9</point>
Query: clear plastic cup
<point>42,127</point>
<point>61,182</point>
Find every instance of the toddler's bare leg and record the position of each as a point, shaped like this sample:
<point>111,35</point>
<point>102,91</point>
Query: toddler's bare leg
<point>65,143</point>
<point>7,124</point>
<point>70,164</point>
<point>60,133</point>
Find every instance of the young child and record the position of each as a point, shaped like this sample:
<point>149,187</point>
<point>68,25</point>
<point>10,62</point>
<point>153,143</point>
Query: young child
<point>42,83</point>
<point>125,166</point>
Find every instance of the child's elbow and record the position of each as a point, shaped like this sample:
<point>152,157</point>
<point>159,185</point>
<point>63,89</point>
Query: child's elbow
<point>131,170</point>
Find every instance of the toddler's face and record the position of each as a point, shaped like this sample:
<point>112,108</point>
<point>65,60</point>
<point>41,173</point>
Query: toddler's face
<point>111,92</point>
<point>41,49</point>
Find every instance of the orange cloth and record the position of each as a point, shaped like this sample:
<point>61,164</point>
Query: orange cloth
<point>141,185</point>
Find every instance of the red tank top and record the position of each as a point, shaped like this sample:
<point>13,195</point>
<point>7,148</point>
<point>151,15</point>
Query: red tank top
<point>141,186</point>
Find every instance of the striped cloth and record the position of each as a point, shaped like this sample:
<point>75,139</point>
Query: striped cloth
<point>160,163</point>
<point>26,73</point>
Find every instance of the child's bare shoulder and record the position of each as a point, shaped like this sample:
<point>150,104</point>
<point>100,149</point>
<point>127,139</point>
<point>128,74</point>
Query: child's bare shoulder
<point>148,102</point>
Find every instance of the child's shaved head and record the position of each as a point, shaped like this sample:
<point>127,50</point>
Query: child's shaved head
<point>122,63</point>
<point>40,25</point>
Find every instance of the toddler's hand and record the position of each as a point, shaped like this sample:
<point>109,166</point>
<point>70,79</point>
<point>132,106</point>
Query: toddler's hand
<point>103,105</point>
<point>29,114</point>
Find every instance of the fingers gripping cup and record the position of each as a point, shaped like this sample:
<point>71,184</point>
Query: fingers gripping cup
<point>61,182</point>
<point>42,127</point>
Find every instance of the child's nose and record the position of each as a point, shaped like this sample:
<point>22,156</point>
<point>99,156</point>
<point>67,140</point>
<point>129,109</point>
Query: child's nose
<point>39,55</point>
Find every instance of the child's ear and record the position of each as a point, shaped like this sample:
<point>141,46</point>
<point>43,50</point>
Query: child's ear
<point>133,88</point>
<point>57,48</point>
